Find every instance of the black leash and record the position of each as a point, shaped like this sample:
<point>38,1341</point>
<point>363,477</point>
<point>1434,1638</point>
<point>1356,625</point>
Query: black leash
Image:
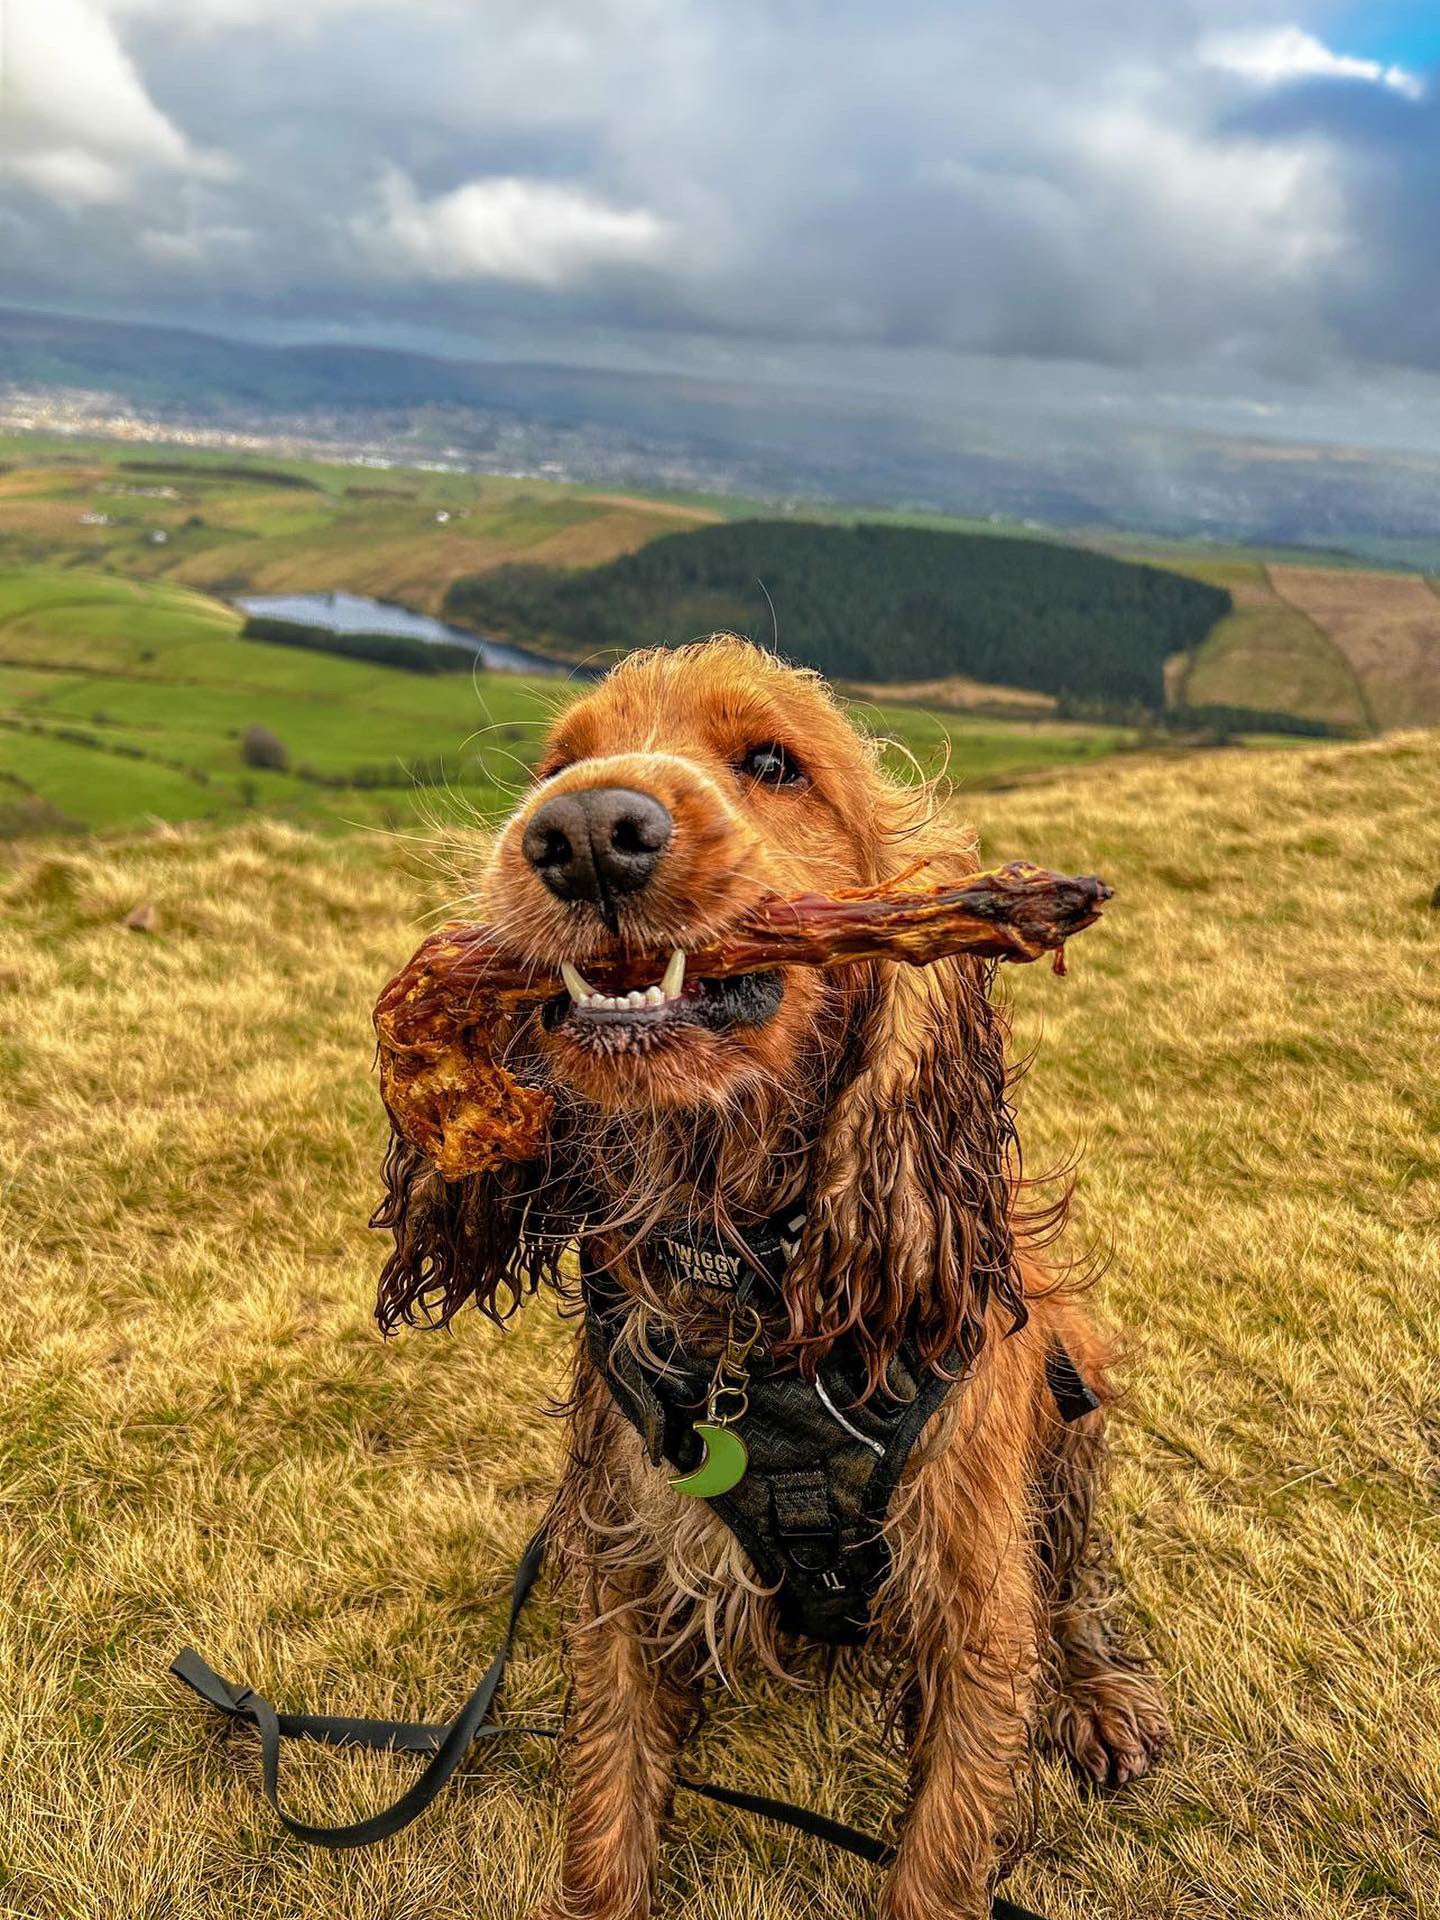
<point>448,1745</point>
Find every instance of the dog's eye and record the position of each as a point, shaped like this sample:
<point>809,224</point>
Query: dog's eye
<point>772,764</point>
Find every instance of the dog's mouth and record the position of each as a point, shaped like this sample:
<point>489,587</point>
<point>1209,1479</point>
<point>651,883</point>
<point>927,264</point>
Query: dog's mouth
<point>645,1017</point>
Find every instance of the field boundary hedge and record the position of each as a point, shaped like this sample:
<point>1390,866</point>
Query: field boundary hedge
<point>1260,720</point>
<point>401,650</point>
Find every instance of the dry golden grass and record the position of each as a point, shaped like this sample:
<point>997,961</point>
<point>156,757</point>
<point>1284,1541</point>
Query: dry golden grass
<point>1267,655</point>
<point>203,1438</point>
<point>22,481</point>
<point>696,516</point>
<point>624,529</point>
<point>955,693</point>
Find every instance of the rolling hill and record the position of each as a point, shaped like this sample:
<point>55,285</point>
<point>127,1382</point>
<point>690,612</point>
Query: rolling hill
<point>873,603</point>
<point>123,700</point>
<point>841,441</point>
<point>1336,646</point>
<point>264,526</point>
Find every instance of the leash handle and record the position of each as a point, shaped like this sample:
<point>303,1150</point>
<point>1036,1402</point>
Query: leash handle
<point>448,1744</point>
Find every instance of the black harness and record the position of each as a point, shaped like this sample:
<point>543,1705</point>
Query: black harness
<point>823,1464</point>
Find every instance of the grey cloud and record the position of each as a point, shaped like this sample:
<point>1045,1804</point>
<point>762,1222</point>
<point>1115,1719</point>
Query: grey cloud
<point>1050,181</point>
<point>1385,306</point>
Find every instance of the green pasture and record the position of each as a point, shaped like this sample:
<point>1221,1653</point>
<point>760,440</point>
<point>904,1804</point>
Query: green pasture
<point>982,752</point>
<point>101,790</point>
<point>125,700</point>
<point>109,632</point>
<point>1284,663</point>
<point>224,522</point>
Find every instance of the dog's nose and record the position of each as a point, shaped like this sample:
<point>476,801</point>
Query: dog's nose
<point>597,843</point>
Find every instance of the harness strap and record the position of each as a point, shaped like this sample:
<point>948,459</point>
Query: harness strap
<point>448,1745</point>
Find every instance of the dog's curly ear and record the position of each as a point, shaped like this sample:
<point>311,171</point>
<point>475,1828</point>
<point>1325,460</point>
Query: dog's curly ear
<point>455,1240</point>
<point>909,1210</point>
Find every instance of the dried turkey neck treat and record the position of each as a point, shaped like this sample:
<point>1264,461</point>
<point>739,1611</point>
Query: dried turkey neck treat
<point>441,1019</point>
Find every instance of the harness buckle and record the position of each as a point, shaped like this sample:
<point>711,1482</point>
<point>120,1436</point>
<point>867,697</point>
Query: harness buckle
<point>805,1525</point>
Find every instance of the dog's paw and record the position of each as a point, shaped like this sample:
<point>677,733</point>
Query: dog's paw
<point>1112,1729</point>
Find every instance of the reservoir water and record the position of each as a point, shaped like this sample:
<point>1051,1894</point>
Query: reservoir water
<point>353,613</point>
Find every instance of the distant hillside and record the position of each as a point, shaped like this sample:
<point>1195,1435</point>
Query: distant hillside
<point>874,603</point>
<point>127,700</point>
<point>1344,648</point>
<point>230,526</point>
<point>735,437</point>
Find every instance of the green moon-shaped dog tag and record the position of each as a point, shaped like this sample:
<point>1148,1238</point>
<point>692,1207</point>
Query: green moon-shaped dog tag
<point>723,1467</point>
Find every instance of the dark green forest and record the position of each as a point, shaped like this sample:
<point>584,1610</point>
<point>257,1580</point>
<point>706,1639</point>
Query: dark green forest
<point>871,603</point>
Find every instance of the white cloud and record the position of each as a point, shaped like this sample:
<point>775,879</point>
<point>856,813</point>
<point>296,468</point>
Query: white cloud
<point>69,175</point>
<point>1264,208</point>
<point>917,177</point>
<point>78,124</point>
<point>194,246</point>
<point>1274,56</point>
<point>301,19</point>
<point>535,233</point>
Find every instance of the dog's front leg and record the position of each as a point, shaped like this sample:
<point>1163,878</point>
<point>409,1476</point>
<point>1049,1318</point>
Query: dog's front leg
<point>629,1712</point>
<point>971,1629</point>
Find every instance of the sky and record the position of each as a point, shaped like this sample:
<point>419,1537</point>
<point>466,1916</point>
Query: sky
<point>1224,212</point>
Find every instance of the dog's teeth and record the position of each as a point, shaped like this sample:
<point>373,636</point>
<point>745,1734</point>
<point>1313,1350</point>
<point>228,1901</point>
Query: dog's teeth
<point>582,994</point>
<point>576,985</point>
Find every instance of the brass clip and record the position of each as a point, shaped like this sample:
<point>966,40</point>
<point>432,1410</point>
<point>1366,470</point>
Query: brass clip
<point>731,1382</point>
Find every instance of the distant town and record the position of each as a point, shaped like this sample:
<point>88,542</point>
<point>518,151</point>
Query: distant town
<point>494,444</point>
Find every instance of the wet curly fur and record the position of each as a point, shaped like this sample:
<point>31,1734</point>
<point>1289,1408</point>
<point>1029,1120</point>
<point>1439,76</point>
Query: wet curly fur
<point>876,1097</point>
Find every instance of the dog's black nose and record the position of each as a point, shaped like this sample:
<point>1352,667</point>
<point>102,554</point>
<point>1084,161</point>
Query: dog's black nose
<point>597,843</point>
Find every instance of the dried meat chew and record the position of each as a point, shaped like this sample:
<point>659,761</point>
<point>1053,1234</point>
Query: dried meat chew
<point>439,1019</point>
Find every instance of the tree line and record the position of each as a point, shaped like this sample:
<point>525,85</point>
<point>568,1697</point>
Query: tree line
<point>404,650</point>
<point>867,602</point>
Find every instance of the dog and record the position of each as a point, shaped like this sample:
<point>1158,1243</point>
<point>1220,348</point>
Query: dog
<point>871,1102</point>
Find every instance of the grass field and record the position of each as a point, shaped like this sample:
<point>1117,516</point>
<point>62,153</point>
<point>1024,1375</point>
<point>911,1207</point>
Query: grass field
<point>270,525</point>
<point>122,699</point>
<point>1271,652</point>
<point>204,1438</point>
<point>1387,627</point>
<point>1355,646</point>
